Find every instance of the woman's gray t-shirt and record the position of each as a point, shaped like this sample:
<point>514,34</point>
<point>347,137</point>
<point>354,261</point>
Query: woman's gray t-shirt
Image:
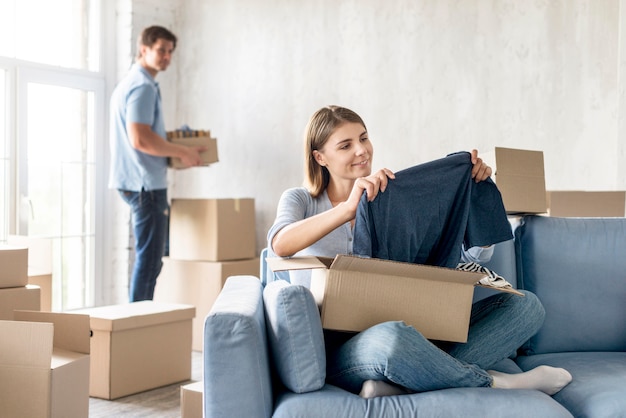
<point>296,204</point>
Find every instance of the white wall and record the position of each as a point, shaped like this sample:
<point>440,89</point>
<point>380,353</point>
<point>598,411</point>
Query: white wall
<point>429,77</point>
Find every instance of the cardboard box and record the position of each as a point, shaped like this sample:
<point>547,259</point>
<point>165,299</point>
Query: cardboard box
<point>198,283</point>
<point>19,298</point>
<point>44,365</point>
<point>208,156</point>
<point>212,229</point>
<point>138,346</point>
<point>39,251</point>
<point>596,204</point>
<point>191,400</point>
<point>44,282</point>
<point>520,177</point>
<point>39,265</point>
<point>14,262</point>
<point>356,293</point>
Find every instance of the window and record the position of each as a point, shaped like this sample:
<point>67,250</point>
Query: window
<point>52,143</point>
<point>59,33</point>
<point>4,158</point>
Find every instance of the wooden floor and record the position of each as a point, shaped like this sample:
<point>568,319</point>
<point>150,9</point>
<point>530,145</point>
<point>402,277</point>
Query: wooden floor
<point>157,403</point>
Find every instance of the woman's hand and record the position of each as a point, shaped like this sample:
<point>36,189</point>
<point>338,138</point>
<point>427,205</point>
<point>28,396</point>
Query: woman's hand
<point>480,170</point>
<point>372,184</point>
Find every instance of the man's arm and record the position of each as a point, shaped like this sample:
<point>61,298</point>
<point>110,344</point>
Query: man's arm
<point>144,139</point>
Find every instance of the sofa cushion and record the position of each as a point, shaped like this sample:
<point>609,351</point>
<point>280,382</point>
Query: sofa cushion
<point>295,336</point>
<point>576,267</point>
<point>597,389</point>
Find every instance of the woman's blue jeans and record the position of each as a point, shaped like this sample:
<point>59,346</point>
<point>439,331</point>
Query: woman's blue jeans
<point>150,221</point>
<point>397,353</point>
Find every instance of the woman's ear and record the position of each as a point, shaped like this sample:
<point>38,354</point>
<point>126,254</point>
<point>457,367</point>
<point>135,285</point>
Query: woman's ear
<point>319,158</point>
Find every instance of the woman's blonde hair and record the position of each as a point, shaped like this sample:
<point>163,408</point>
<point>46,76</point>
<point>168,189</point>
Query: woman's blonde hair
<point>320,127</point>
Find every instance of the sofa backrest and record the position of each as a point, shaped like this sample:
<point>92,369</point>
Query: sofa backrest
<point>577,268</point>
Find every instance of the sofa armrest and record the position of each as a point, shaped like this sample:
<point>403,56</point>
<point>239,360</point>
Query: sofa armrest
<point>236,364</point>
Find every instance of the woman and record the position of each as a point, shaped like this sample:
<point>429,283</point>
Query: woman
<point>393,358</point>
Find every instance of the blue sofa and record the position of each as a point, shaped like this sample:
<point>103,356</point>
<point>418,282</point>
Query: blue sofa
<point>576,266</point>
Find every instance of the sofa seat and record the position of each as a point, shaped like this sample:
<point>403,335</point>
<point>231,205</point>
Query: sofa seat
<point>331,401</point>
<point>597,388</point>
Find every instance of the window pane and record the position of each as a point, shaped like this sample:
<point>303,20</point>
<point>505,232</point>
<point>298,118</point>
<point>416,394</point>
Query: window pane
<point>32,30</point>
<point>4,160</point>
<point>73,290</point>
<point>61,184</point>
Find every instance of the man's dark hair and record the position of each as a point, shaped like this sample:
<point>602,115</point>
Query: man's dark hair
<point>151,34</point>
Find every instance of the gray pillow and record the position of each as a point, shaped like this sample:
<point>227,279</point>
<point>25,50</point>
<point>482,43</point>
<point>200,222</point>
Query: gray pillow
<point>295,336</point>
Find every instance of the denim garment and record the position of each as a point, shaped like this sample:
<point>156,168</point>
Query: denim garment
<point>150,219</point>
<point>429,212</point>
<point>397,353</point>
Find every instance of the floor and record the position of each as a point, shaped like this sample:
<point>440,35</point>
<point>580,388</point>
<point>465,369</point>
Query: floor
<point>162,402</point>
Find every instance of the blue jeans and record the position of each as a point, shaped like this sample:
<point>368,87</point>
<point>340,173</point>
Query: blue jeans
<point>150,220</point>
<point>397,353</point>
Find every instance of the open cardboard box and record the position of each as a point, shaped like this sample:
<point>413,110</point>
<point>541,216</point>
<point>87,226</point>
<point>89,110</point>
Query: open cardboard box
<point>44,365</point>
<point>356,293</point>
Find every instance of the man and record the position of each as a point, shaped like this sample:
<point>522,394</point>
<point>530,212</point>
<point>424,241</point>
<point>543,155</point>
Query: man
<point>139,152</point>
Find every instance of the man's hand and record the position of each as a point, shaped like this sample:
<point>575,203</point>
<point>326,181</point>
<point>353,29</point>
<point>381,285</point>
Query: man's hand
<point>190,157</point>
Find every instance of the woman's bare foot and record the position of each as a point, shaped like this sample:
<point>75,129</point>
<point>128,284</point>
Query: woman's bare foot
<point>547,379</point>
<point>374,388</point>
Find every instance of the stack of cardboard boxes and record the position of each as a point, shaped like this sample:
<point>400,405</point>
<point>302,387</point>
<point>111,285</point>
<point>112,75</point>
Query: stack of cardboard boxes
<point>520,177</point>
<point>39,265</point>
<point>210,240</point>
<point>44,356</point>
<point>15,292</point>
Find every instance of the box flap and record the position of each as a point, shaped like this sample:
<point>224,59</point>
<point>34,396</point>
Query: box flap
<point>137,315</point>
<point>298,263</point>
<point>26,344</point>
<point>71,331</point>
<point>61,357</point>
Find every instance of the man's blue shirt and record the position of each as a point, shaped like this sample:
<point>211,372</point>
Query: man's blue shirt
<point>136,99</point>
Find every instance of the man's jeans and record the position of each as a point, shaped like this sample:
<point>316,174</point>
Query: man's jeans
<point>150,220</point>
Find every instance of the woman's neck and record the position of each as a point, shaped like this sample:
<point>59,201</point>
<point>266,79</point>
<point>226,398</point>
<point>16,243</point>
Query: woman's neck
<point>338,193</point>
